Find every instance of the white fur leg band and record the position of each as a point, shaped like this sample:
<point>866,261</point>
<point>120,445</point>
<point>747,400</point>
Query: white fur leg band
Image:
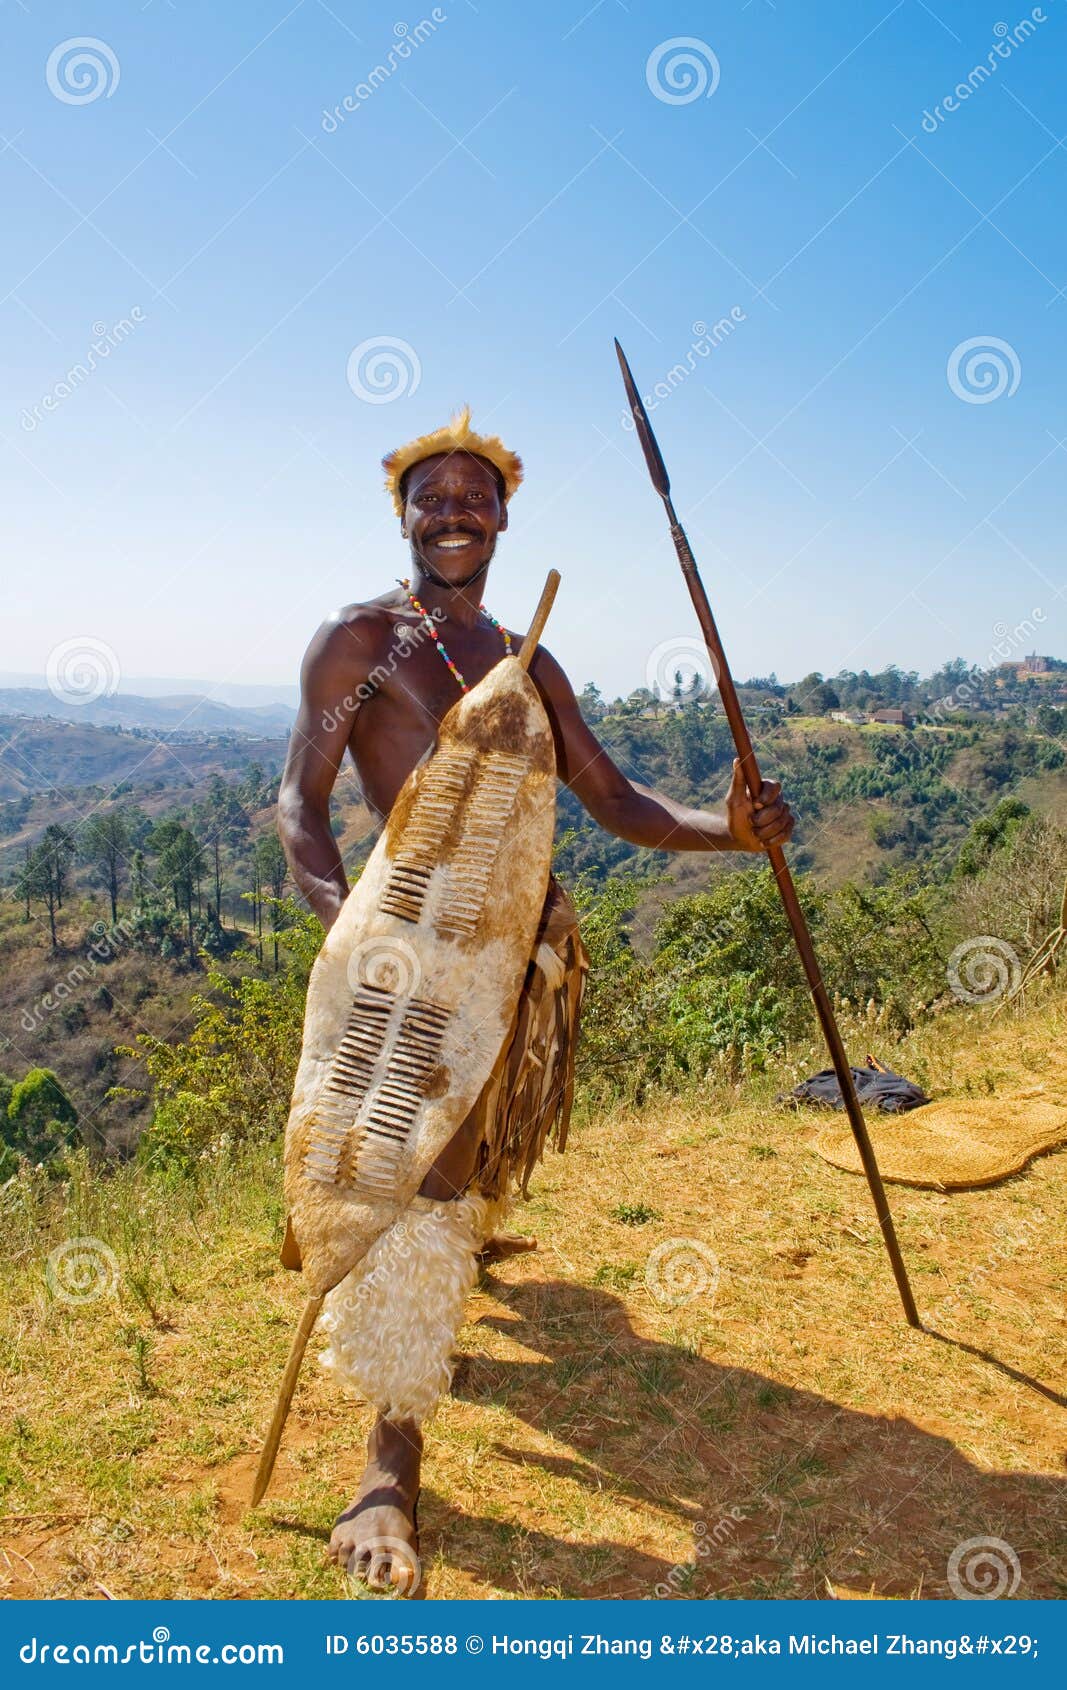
<point>392,1321</point>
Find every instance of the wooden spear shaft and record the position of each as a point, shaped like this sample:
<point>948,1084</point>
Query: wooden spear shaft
<point>783,877</point>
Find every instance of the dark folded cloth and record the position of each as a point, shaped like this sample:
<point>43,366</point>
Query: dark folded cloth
<point>878,1088</point>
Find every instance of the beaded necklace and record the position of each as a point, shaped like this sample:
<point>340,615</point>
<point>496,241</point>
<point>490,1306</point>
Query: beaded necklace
<point>431,628</point>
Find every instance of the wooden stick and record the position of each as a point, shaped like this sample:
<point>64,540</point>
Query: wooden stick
<point>285,1396</point>
<point>544,605</point>
<point>754,781</point>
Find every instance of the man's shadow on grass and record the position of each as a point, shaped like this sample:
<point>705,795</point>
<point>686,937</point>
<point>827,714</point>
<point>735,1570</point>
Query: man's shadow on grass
<point>779,1492</point>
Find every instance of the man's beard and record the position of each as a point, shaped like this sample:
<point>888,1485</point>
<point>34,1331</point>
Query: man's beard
<point>431,574</point>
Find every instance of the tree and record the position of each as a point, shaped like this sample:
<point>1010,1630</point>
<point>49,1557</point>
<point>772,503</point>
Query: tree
<point>44,871</point>
<point>223,822</point>
<point>140,877</point>
<point>687,742</point>
<point>40,1116</point>
<point>272,872</point>
<point>216,851</point>
<point>255,898</point>
<point>23,881</point>
<point>988,835</point>
<point>231,1076</point>
<point>250,790</point>
<point>105,843</point>
<point>816,696</point>
<point>591,703</point>
<point>180,866</point>
<point>59,847</point>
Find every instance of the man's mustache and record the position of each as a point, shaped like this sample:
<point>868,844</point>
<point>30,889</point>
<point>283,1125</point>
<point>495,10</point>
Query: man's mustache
<point>455,528</point>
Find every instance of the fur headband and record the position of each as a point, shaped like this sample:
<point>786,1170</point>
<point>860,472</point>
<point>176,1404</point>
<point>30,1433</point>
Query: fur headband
<point>458,436</point>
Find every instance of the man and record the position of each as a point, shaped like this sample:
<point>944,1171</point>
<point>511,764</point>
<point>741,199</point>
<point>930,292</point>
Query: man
<point>377,680</point>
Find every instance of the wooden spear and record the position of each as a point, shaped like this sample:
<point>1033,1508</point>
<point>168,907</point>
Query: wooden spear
<point>754,781</point>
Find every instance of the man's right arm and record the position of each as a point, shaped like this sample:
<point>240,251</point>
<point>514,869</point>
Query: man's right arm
<point>335,665</point>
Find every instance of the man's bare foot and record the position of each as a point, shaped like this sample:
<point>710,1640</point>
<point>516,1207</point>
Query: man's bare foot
<point>376,1538</point>
<point>505,1244</point>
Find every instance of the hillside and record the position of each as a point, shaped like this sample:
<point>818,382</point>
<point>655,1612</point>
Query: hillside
<point>873,802</point>
<point>868,799</point>
<point>781,1434</point>
<point>69,1011</point>
<point>57,771</point>
<point>41,754</point>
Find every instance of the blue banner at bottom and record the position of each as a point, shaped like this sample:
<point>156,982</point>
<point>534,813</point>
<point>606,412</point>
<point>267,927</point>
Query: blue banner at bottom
<point>538,1643</point>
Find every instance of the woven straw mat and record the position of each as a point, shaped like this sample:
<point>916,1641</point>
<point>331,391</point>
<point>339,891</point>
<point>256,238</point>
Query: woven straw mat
<point>957,1143</point>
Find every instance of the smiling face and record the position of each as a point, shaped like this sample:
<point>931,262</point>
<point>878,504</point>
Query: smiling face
<point>453,512</point>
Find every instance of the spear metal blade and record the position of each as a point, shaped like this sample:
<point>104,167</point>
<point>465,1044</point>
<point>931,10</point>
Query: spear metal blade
<point>657,469</point>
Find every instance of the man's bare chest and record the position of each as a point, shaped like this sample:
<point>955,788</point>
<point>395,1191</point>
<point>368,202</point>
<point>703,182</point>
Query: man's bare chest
<point>408,693</point>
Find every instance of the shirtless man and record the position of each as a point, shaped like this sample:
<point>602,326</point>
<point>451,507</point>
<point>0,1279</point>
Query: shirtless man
<point>359,695</point>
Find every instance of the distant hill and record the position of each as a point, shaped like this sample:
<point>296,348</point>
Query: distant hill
<point>39,754</point>
<point>186,713</point>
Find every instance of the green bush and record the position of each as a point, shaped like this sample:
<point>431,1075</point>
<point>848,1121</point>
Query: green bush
<point>722,992</point>
<point>232,1078</point>
<point>40,1120</point>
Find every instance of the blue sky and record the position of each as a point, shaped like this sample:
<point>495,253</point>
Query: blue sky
<point>511,194</point>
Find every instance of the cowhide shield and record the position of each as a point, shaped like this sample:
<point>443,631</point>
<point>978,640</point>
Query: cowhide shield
<point>416,985</point>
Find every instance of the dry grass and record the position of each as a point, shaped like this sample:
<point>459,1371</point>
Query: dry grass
<point>783,1435</point>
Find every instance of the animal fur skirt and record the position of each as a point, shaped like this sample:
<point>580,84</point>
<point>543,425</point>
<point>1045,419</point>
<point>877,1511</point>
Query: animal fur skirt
<point>392,1321</point>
